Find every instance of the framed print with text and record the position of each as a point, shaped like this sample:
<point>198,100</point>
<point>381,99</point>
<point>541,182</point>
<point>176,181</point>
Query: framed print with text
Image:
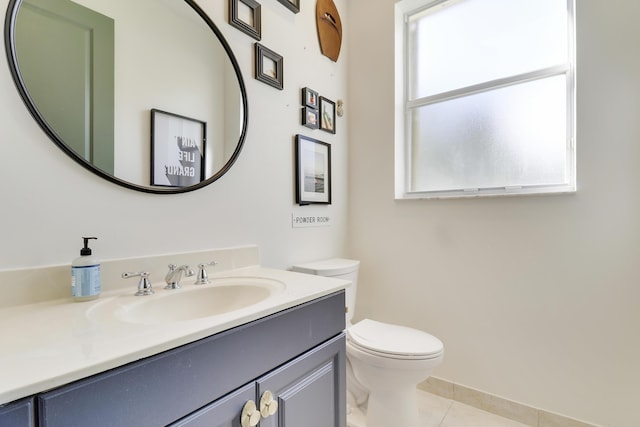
<point>177,149</point>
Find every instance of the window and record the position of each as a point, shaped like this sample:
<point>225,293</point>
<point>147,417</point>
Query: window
<point>484,97</point>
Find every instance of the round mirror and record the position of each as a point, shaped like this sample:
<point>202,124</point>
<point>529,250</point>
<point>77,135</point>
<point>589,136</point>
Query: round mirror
<point>145,93</point>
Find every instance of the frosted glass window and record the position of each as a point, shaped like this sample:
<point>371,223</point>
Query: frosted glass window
<point>475,41</point>
<point>492,139</point>
<point>486,102</point>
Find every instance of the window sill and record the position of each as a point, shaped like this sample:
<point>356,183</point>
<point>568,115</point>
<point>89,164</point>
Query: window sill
<point>488,192</point>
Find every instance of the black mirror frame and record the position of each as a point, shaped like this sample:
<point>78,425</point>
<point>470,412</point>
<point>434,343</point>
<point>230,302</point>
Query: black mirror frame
<point>9,37</point>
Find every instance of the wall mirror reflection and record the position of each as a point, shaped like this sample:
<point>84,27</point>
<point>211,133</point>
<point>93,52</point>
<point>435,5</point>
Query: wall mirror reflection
<point>91,72</point>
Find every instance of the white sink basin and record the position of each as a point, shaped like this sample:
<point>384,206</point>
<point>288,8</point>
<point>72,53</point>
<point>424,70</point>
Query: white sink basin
<point>190,302</point>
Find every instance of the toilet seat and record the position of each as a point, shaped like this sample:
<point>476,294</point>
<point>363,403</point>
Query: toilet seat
<point>393,341</point>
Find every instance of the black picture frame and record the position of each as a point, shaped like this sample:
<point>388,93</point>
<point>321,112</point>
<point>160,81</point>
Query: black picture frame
<point>252,28</point>
<point>327,115</point>
<point>310,97</point>
<point>178,150</point>
<point>310,117</point>
<point>292,5</point>
<point>313,171</point>
<point>273,75</point>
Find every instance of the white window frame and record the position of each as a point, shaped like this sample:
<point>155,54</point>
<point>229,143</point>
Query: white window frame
<point>403,108</point>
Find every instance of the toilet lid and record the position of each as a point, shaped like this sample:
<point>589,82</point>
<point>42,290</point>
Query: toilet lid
<point>394,340</point>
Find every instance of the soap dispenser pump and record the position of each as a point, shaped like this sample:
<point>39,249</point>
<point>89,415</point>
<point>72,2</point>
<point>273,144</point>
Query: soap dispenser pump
<point>85,274</point>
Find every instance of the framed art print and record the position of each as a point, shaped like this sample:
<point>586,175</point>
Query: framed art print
<point>313,171</point>
<point>292,5</point>
<point>177,149</point>
<point>309,97</point>
<point>246,16</point>
<point>269,67</point>
<point>327,115</point>
<point>310,117</point>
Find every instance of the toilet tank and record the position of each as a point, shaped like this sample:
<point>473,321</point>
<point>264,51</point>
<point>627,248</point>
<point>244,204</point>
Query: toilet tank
<point>339,268</point>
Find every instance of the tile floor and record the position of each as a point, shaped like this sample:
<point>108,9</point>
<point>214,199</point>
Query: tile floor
<point>440,412</point>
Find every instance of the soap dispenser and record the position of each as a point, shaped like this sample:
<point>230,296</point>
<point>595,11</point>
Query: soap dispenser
<point>85,274</point>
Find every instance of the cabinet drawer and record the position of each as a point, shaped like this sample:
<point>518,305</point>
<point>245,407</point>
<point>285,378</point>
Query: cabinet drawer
<point>224,412</point>
<point>164,388</point>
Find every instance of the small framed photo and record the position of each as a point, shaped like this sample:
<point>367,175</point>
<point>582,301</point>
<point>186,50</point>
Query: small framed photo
<point>309,97</point>
<point>269,67</point>
<point>245,15</point>
<point>327,115</point>
<point>177,149</point>
<point>310,117</point>
<point>313,171</point>
<point>292,5</point>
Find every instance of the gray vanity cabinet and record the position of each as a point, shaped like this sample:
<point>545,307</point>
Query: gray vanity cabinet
<point>309,392</point>
<point>297,354</point>
<point>18,413</point>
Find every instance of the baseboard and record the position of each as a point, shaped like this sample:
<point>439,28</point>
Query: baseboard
<point>505,408</point>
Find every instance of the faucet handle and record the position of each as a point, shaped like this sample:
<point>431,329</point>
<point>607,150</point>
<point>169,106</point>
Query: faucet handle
<point>144,286</point>
<point>203,278</point>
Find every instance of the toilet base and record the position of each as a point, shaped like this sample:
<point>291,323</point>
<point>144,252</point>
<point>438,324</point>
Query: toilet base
<point>393,408</point>
<point>405,413</point>
<point>356,417</point>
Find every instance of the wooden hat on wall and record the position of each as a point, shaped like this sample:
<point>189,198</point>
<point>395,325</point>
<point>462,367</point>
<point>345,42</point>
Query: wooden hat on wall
<point>329,29</point>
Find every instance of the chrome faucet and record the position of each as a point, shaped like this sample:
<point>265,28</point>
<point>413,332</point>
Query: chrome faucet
<point>175,274</point>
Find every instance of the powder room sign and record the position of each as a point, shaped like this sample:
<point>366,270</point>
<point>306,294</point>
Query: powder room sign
<point>311,220</point>
<point>177,149</point>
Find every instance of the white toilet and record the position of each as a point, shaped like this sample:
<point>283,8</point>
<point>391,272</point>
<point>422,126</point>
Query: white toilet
<point>385,362</point>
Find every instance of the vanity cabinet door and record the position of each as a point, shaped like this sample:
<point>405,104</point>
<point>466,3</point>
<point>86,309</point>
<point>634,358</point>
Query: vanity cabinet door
<point>223,412</point>
<point>18,414</point>
<point>310,391</point>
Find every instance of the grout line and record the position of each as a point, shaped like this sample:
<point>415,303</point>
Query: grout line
<point>502,407</point>
<point>446,413</point>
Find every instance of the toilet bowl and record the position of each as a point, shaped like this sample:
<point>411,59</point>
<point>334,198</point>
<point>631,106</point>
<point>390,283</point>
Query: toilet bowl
<point>389,361</point>
<point>385,362</point>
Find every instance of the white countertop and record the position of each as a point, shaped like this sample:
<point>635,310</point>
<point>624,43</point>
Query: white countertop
<point>52,343</point>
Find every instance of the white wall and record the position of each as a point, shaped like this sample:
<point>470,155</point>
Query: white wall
<point>536,298</point>
<point>49,202</point>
